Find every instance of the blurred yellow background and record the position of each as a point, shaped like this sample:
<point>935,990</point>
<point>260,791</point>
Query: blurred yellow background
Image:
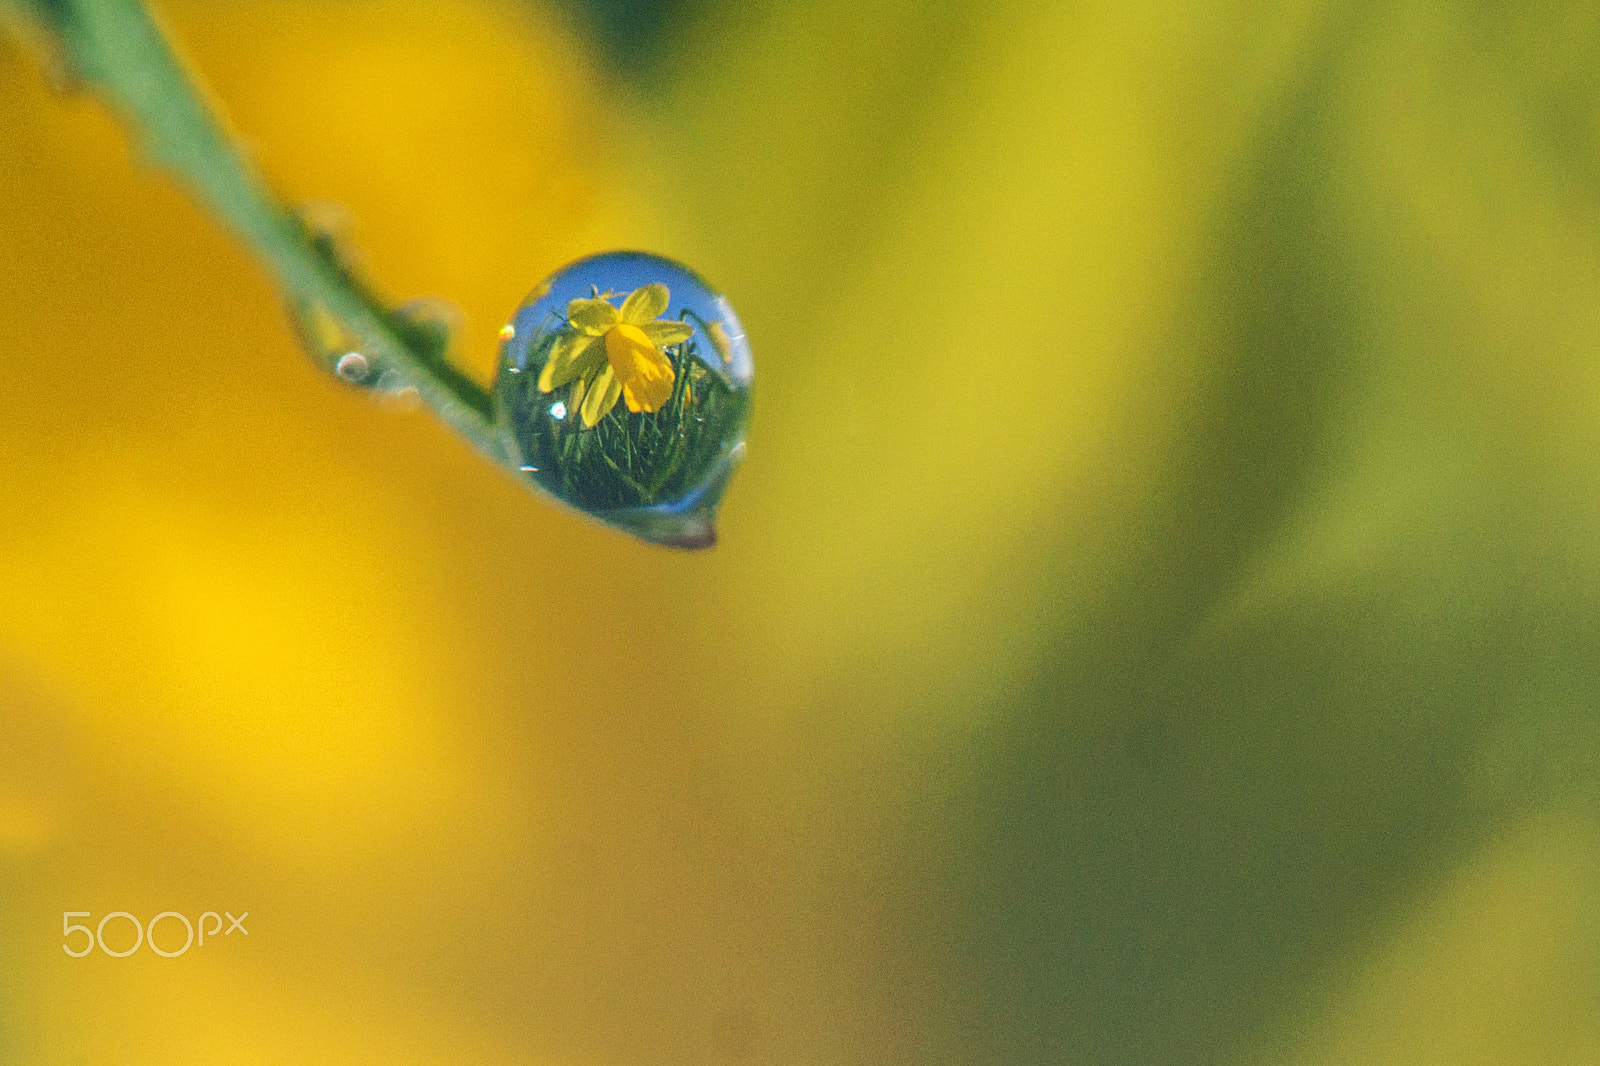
<point>1158,622</point>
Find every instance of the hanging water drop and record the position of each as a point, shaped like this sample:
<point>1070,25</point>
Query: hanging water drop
<point>625,381</point>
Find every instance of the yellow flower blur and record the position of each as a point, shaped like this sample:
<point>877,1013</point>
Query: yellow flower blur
<point>609,354</point>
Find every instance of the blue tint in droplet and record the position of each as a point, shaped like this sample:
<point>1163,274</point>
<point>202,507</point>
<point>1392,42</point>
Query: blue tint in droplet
<point>625,380</point>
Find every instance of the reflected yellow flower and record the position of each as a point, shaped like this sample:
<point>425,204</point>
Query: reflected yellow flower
<point>610,354</point>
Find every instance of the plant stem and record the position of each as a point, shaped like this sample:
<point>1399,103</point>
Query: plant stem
<point>117,47</point>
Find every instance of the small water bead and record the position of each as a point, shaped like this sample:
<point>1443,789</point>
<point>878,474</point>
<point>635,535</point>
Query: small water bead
<point>625,380</point>
<point>352,366</point>
<point>330,343</point>
<point>425,327</point>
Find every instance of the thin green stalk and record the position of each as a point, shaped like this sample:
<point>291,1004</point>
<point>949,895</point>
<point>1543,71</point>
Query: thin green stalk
<point>118,49</point>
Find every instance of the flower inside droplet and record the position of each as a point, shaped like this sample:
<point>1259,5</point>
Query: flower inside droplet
<point>610,353</point>
<point>621,396</point>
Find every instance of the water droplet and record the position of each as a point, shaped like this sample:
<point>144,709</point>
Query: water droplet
<point>332,345</point>
<point>508,333</point>
<point>352,366</point>
<point>650,374</point>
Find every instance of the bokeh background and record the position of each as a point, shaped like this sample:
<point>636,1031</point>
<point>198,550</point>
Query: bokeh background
<point>1158,622</point>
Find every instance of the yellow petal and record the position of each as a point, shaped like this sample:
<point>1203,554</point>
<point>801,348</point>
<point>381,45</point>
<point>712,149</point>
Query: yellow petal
<point>647,395</point>
<point>592,316</point>
<point>601,398</point>
<point>628,348</point>
<point>667,333</point>
<point>644,303</point>
<point>573,355</point>
<point>644,372</point>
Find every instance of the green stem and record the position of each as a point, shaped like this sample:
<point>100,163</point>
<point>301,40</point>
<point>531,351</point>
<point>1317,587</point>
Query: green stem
<point>117,47</point>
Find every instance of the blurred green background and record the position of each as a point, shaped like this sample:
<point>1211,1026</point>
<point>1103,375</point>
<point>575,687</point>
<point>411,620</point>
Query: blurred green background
<point>1158,622</point>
